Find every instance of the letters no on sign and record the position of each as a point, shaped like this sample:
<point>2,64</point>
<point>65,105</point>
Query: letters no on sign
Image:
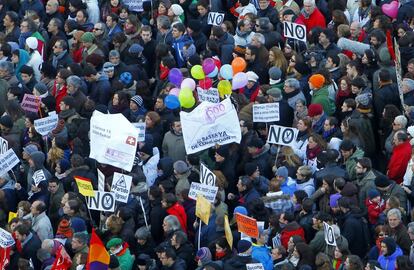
<point>103,201</point>
<point>215,18</point>
<point>282,135</point>
<point>295,31</point>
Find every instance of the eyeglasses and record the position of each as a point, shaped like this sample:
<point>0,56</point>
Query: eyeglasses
<point>97,29</point>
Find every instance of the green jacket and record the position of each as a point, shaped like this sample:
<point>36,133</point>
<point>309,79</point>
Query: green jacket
<point>351,163</point>
<point>321,96</point>
<point>126,260</point>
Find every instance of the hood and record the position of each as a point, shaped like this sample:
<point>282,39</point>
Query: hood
<point>368,176</point>
<point>357,154</point>
<point>166,165</point>
<point>38,159</point>
<point>349,190</point>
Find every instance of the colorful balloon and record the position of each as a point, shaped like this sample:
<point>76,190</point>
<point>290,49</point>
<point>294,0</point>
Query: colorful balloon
<point>175,76</point>
<point>197,72</point>
<point>189,83</point>
<point>213,73</point>
<point>189,103</point>
<point>175,91</point>
<point>239,80</point>
<point>391,9</point>
<point>172,102</point>
<point>205,83</point>
<point>185,95</point>
<point>208,65</point>
<point>238,64</point>
<point>224,88</point>
<point>226,72</point>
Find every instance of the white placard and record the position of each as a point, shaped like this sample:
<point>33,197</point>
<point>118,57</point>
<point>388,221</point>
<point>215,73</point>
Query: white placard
<point>254,266</point>
<point>282,135</point>
<point>294,30</point>
<point>4,146</point>
<point>6,239</point>
<point>103,201</point>
<point>141,131</point>
<point>113,140</point>
<point>207,177</point>
<point>267,112</point>
<point>209,192</point>
<point>210,124</point>
<point>38,176</point>
<point>101,181</point>
<point>8,161</point>
<point>134,5</point>
<point>45,125</point>
<point>210,95</point>
<point>215,18</point>
<point>121,185</point>
<point>329,234</point>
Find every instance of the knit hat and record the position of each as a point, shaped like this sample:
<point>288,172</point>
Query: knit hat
<point>181,167</point>
<point>32,43</point>
<point>317,80</point>
<point>275,92</point>
<point>138,100</point>
<point>126,78</point>
<point>177,9</point>
<point>114,242</point>
<point>363,99</point>
<point>275,74</point>
<point>391,245</point>
<point>135,49</point>
<point>204,255</point>
<point>194,25</point>
<point>6,121</point>
<point>410,131</point>
<point>64,229</point>
<point>409,83</point>
<point>223,151</point>
<point>41,88</point>
<point>243,246</point>
<point>30,148</point>
<point>250,168</point>
<point>251,76</point>
<point>240,210</point>
<point>256,142</point>
<point>333,200</point>
<point>88,37</point>
<point>113,262</point>
<point>77,224</point>
<point>282,171</point>
<point>288,12</point>
<point>372,193</point>
<point>108,67</point>
<point>382,181</point>
<point>315,109</point>
<point>264,23</point>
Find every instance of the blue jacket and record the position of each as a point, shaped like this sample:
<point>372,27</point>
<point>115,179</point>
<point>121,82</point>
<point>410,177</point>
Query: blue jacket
<point>262,254</point>
<point>388,262</point>
<point>178,46</point>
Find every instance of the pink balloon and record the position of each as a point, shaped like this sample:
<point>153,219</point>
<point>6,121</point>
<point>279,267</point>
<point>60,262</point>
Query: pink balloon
<point>188,82</point>
<point>175,91</point>
<point>391,9</point>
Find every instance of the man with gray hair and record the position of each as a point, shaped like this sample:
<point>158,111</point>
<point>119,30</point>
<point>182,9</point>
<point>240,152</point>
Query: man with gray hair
<point>74,89</point>
<point>7,73</point>
<point>79,246</point>
<point>164,34</point>
<point>292,92</point>
<point>310,16</point>
<point>398,230</point>
<point>410,230</point>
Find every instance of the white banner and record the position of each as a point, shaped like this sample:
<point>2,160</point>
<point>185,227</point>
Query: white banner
<point>282,135</point>
<point>8,161</point>
<point>45,125</point>
<point>294,30</point>
<point>141,131</point>
<point>4,146</point>
<point>210,95</point>
<point>6,239</point>
<point>103,201</point>
<point>121,185</point>
<point>254,266</point>
<point>209,192</point>
<point>113,140</point>
<point>215,18</point>
<point>38,176</point>
<point>134,5</point>
<point>210,124</point>
<point>329,234</point>
<point>267,112</point>
<point>207,177</point>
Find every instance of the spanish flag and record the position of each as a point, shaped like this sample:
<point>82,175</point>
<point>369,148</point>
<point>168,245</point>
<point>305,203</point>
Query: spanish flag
<point>98,257</point>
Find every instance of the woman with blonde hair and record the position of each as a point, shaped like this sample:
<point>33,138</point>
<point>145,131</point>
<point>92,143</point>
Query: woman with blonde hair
<point>277,59</point>
<point>289,159</point>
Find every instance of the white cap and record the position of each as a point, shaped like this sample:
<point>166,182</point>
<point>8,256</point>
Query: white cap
<point>32,43</point>
<point>251,76</point>
<point>177,9</point>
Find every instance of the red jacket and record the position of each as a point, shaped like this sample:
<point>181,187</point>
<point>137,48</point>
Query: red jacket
<point>374,210</point>
<point>399,161</point>
<point>314,20</point>
<point>59,95</point>
<point>178,211</point>
<point>290,230</point>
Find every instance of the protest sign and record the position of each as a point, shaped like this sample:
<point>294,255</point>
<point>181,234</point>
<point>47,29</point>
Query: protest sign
<point>203,208</point>
<point>329,234</point>
<point>4,146</point>
<point>209,192</point>
<point>121,185</point>
<point>38,176</point>
<point>101,181</point>
<point>11,216</point>
<point>247,225</point>
<point>210,124</point>
<point>254,266</point>
<point>45,125</point>
<point>282,135</point>
<point>267,112</point>
<point>6,239</point>
<point>215,18</point>
<point>8,161</point>
<point>227,231</point>
<point>135,5</point>
<point>210,95</point>
<point>113,140</point>
<point>141,131</point>
<point>31,103</point>
<point>277,240</point>
<point>294,30</point>
<point>102,201</point>
<point>207,177</point>
<point>84,186</point>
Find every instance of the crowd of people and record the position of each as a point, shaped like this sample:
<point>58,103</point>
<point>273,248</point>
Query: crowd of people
<point>347,87</point>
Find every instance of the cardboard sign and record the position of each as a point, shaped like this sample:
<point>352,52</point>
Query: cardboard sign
<point>227,231</point>
<point>121,185</point>
<point>38,176</point>
<point>282,135</point>
<point>254,266</point>
<point>6,239</point>
<point>141,131</point>
<point>8,161</point>
<point>85,186</point>
<point>4,146</point>
<point>215,18</point>
<point>329,234</point>
<point>114,140</point>
<point>210,124</point>
<point>203,208</point>
<point>210,95</point>
<point>207,177</point>
<point>31,103</point>
<point>294,30</point>
<point>102,201</point>
<point>247,225</point>
<point>45,125</point>
<point>267,112</point>
<point>209,192</point>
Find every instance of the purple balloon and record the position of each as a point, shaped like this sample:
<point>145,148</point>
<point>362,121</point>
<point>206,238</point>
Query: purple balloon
<point>175,76</point>
<point>208,65</point>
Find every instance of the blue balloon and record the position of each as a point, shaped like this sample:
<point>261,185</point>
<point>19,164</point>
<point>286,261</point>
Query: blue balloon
<point>213,73</point>
<point>226,72</point>
<point>172,102</point>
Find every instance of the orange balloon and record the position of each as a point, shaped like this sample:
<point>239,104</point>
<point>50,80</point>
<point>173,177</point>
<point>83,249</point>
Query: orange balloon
<point>238,64</point>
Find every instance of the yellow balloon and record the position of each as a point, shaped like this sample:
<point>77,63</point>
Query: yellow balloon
<point>224,88</point>
<point>197,72</point>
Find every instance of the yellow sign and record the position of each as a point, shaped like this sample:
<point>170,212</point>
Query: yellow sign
<point>227,231</point>
<point>85,186</point>
<point>11,216</point>
<point>203,208</point>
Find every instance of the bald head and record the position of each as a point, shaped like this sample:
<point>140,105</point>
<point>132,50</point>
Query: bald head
<point>52,6</point>
<point>355,29</point>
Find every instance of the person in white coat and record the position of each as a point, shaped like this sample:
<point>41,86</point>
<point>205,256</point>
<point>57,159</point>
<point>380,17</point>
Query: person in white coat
<point>93,10</point>
<point>36,59</point>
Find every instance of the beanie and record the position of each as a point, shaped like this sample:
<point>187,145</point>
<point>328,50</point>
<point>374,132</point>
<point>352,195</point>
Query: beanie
<point>78,224</point>
<point>108,67</point>
<point>126,78</point>
<point>181,167</point>
<point>243,246</point>
<point>32,43</point>
<point>333,200</point>
<point>372,193</point>
<point>382,181</point>
<point>256,142</point>
<point>250,168</point>
<point>138,100</point>
<point>240,210</point>
<point>135,49</point>
<point>275,92</point>
<point>64,229</point>
<point>114,242</point>
<point>363,99</point>
<point>275,74</point>
<point>282,171</point>
<point>6,121</point>
<point>204,255</point>
<point>177,9</point>
<point>315,109</point>
<point>88,37</point>
<point>251,76</point>
<point>317,80</point>
<point>30,148</point>
<point>41,88</point>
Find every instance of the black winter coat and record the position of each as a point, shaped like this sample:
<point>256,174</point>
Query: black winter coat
<point>238,262</point>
